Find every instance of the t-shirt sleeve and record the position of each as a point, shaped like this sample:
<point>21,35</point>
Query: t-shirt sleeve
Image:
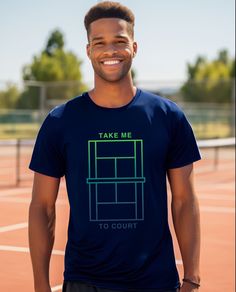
<point>47,156</point>
<point>183,148</point>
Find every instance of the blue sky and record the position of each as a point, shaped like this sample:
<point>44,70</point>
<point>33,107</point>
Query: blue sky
<point>169,33</point>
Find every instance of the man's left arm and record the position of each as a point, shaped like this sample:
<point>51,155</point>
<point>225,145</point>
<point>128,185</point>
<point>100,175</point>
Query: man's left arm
<point>186,219</point>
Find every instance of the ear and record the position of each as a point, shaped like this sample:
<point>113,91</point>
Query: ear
<point>88,50</point>
<point>135,48</point>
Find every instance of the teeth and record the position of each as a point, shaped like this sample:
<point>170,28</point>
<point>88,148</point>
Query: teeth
<point>113,62</point>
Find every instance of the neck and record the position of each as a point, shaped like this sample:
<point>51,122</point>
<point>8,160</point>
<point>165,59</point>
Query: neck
<point>113,94</point>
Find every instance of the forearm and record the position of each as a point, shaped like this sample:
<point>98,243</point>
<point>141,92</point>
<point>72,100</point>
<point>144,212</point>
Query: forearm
<point>41,239</point>
<point>186,220</point>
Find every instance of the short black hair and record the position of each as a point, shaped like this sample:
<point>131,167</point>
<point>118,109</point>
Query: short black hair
<point>109,9</point>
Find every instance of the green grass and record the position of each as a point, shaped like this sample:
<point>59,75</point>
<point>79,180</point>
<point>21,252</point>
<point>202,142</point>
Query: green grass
<point>212,130</point>
<point>19,131</point>
<point>29,131</point>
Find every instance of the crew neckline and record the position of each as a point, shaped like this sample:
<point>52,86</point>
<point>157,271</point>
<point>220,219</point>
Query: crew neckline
<point>120,108</point>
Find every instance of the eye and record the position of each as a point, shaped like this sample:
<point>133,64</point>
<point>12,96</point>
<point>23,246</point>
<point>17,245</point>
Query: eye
<point>121,42</point>
<point>98,44</point>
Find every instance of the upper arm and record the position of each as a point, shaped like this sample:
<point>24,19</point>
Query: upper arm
<point>45,190</point>
<point>181,182</point>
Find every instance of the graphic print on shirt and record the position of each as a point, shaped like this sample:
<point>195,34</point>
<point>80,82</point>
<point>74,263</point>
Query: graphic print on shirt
<point>116,180</point>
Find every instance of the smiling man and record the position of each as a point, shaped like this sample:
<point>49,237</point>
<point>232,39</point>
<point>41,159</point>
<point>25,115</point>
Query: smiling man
<point>116,144</point>
<point>120,49</point>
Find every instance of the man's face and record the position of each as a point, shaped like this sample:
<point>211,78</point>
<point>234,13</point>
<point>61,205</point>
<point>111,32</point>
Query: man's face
<point>111,48</point>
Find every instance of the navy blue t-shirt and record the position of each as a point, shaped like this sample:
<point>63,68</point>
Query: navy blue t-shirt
<point>115,162</point>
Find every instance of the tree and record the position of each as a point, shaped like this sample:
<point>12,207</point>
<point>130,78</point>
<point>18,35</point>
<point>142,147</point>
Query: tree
<point>224,57</point>
<point>210,81</point>
<point>54,64</point>
<point>60,66</point>
<point>55,41</point>
<point>9,96</point>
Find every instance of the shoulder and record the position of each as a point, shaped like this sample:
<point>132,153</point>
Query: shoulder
<point>61,114</point>
<point>65,109</point>
<point>160,104</point>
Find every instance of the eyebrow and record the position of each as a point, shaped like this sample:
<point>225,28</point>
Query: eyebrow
<point>121,37</point>
<point>98,38</point>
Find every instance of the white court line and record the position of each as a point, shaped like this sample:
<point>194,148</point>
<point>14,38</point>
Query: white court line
<point>206,209</point>
<point>201,186</point>
<point>56,288</point>
<point>210,209</point>
<point>217,197</point>
<point>59,287</point>
<point>13,227</point>
<point>26,249</point>
<point>15,192</point>
<point>213,197</point>
<point>15,200</point>
<point>28,200</point>
<point>54,252</point>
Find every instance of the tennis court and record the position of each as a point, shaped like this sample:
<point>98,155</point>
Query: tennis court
<point>215,190</point>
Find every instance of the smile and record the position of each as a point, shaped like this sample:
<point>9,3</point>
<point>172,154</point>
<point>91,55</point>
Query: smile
<point>111,62</point>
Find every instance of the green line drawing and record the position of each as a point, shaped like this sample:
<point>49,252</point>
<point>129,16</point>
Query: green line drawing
<point>113,141</point>
<point>112,203</point>
<point>135,165</point>
<point>141,159</point>
<point>104,157</point>
<point>115,160</point>
<point>115,169</point>
<point>95,154</point>
<point>108,180</point>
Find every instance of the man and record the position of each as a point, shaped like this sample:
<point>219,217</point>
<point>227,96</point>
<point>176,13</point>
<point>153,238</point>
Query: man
<point>115,145</point>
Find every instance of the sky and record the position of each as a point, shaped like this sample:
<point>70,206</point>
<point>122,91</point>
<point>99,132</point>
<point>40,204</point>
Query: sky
<point>169,34</point>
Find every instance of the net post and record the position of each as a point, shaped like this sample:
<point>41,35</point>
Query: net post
<point>216,158</point>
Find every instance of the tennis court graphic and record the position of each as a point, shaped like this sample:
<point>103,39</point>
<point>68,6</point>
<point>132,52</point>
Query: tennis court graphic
<point>116,180</point>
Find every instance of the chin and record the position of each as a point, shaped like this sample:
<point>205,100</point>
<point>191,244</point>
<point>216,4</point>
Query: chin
<point>113,78</point>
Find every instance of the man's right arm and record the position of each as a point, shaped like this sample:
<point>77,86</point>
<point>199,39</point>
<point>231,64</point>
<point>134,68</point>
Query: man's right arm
<point>42,228</point>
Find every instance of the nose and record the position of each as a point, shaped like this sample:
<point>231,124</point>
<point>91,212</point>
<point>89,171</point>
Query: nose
<point>110,49</point>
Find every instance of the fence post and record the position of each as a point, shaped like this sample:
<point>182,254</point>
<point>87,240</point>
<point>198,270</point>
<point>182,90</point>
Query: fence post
<point>42,101</point>
<point>18,142</point>
<point>233,109</point>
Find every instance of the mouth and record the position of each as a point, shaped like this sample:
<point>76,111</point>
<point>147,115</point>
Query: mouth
<point>112,62</point>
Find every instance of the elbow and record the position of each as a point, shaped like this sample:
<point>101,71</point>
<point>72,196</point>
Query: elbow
<point>41,206</point>
<point>185,202</point>
<point>40,211</point>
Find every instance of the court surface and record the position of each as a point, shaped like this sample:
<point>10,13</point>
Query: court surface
<point>214,188</point>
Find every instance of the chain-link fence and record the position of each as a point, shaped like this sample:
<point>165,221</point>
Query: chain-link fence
<point>209,106</point>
